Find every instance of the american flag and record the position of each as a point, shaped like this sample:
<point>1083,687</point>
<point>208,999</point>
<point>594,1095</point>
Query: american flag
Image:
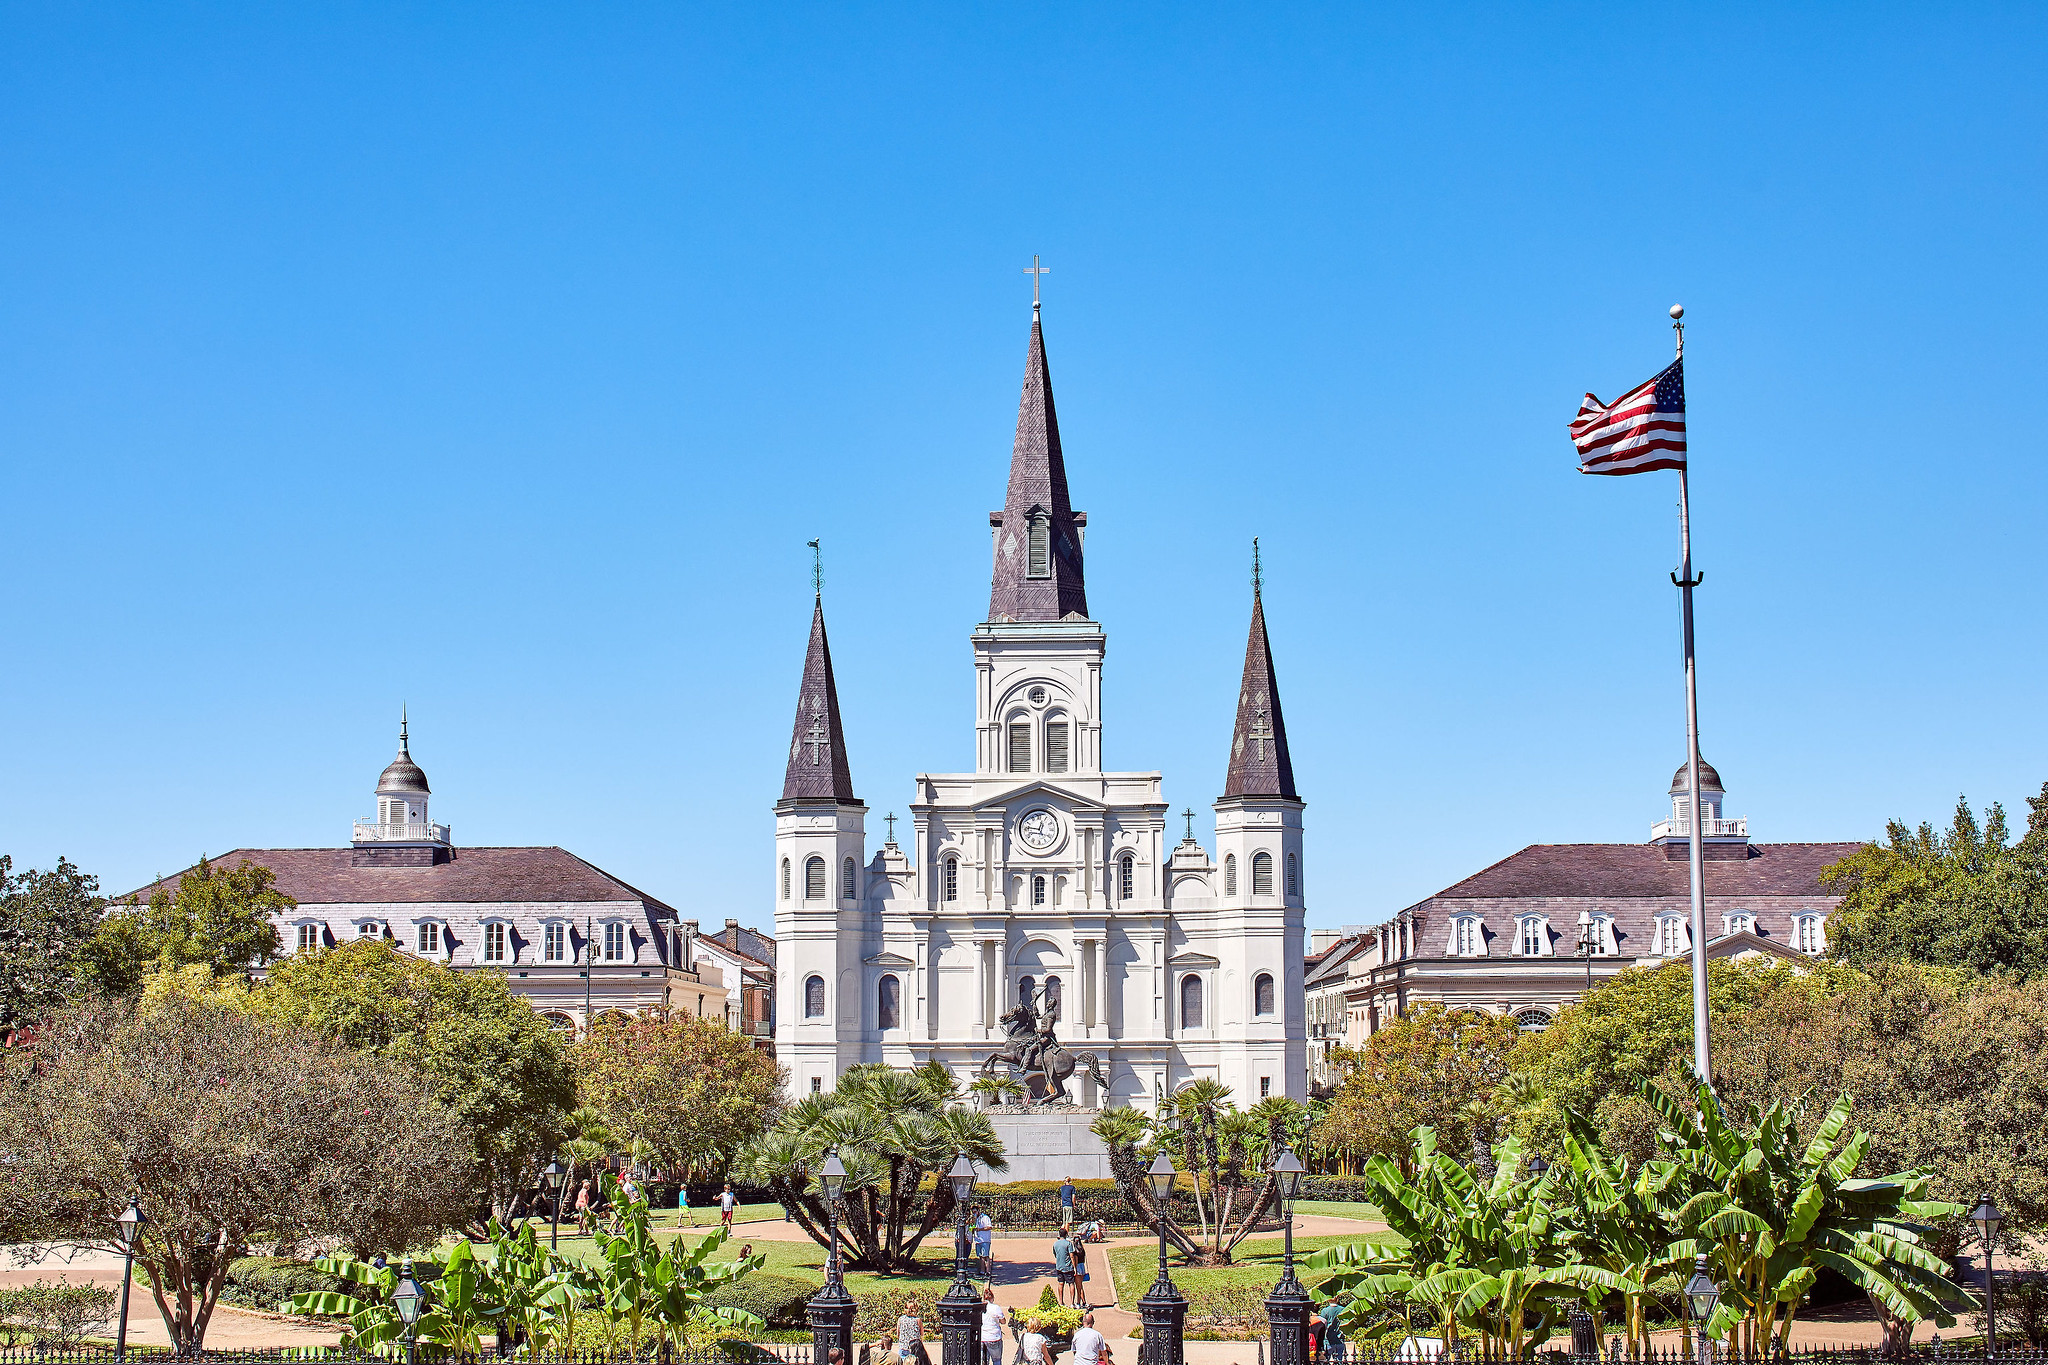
<point>1641,430</point>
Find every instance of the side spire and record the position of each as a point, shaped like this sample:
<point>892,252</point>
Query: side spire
<point>817,768</point>
<point>1038,533</point>
<point>1259,762</point>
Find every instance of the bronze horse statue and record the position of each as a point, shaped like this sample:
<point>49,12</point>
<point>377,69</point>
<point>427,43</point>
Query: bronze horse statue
<point>1032,1050</point>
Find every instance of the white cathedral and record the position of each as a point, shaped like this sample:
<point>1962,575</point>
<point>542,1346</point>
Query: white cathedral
<point>1038,875</point>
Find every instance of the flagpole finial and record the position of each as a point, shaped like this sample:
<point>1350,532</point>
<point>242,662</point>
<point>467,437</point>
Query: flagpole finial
<point>1677,311</point>
<point>1678,326</point>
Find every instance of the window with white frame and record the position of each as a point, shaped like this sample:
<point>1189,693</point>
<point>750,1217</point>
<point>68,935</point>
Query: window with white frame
<point>951,879</point>
<point>1670,936</point>
<point>554,942</point>
<point>1038,891</point>
<point>1741,922</point>
<point>309,937</point>
<point>495,942</point>
<point>427,936</point>
<point>1126,877</point>
<point>1534,937</point>
<point>1809,934</point>
<point>814,997</point>
<point>1191,1001</point>
<point>1467,936</point>
<point>370,929</point>
<point>615,942</point>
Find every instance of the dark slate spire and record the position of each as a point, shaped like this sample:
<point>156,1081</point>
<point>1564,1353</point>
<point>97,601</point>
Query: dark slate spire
<point>1046,585</point>
<point>1259,763</point>
<point>817,746</point>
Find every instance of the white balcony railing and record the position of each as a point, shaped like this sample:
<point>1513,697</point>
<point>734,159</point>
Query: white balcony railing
<point>377,832</point>
<point>1682,829</point>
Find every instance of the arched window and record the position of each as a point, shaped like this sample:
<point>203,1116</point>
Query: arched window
<point>1191,1001</point>
<point>1126,877</point>
<point>1741,922</point>
<point>1038,891</point>
<point>889,1004</point>
<point>1027,990</point>
<point>1532,1020</point>
<point>1230,874</point>
<point>1467,938</point>
<point>1020,746</point>
<point>1532,937</point>
<point>1808,935</point>
<point>847,874</point>
<point>1262,993</point>
<point>950,878</point>
<point>1262,874</point>
<point>814,879</point>
<point>1038,555</point>
<point>785,879</point>
<point>1670,936</point>
<point>1293,876</point>
<point>814,997</point>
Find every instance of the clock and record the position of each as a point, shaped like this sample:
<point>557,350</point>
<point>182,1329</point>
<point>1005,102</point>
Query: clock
<point>1040,829</point>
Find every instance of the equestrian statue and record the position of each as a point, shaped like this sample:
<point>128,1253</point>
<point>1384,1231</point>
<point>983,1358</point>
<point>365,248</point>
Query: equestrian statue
<point>1032,1053</point>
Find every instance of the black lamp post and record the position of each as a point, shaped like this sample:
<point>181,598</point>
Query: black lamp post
<point>1703,1296</point>
<point>960,1309</point>
<point>127,1230</point>
<point>1287,1306</point>
<point>1163,1310</point>
<point>408,1299</point>
<point>1987,1218</point>
<point>551,1178</point>
<point>830,1310</point>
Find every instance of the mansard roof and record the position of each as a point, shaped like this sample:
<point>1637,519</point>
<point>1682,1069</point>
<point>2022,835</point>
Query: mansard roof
<point>328,876</point>
<point>1038,489</point>
<point>1259,762</point>
<point>1643,871</point>
<point>817,768</point>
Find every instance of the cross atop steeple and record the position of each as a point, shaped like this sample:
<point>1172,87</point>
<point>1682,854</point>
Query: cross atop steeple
<point>1189,816</point>
<point>891,819</point>
<point>1035,270</point>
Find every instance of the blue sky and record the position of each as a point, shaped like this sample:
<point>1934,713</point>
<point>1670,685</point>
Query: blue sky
<point>498,360</point>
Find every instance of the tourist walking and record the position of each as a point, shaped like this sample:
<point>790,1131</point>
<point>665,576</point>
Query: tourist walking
<point>1035,1348</point>
<point>726,1204</point>
<point>993,1318</point>
<point>985,1244</point>
<point>1064,1276</point>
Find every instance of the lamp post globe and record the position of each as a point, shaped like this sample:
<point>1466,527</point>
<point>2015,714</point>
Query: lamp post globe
<point>128,1232</point>
<point>551,1177</point>
<point>1163,1310</point>
<point>407,1299</point>
<point>1988,1220</point>
<point>1287,1307</point>
<point>960,1309</point>
<point>830,1310</point>
<point>1538,1167</point>
<point>1702,1295</point>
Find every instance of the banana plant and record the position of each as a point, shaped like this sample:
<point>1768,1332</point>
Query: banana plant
<point>1623,1218</point>
<point>644,1284</point>
<point>1769,1212</point>
<point>458,1315</point>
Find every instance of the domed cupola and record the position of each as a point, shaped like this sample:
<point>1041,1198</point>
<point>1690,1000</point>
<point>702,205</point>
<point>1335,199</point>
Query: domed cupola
<point>1723,838</point>
<point>401,834</point>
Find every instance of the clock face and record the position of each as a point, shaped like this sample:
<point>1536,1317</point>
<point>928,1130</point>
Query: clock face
<point>1039,829</point>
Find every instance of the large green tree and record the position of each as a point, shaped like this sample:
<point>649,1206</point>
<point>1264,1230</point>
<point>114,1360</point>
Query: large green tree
<point>1963,898</point>
<point>1425,1069</point>
<point>494,1062</point>
<point>691,1089</point>
<point>231,1130</point>
<point>219,918</point>
<point>46,921</point>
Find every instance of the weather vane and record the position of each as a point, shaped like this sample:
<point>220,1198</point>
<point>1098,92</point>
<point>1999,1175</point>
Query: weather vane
<point>1258,575</point>
<point>817,568</point>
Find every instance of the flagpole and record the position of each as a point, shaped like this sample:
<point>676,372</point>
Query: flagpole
<point>1696,853</point>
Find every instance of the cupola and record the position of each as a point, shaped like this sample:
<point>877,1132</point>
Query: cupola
<point>1721,837</point>
<point>401,834</point>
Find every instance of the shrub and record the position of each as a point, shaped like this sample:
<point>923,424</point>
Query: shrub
<point>55,1313</point>
<point>877,1313</point>
<point>777,1300</point>
<point>268,1282</point>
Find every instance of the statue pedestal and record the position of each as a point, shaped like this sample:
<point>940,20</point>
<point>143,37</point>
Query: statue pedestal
<point>1050,1144</point>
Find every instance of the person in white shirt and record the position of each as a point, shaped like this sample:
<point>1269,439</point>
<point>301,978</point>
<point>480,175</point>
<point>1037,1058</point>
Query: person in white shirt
<point>1089,1347</point>
<point>993,1316</point>
<point>1033,1349</point>
<point>985,1244</point>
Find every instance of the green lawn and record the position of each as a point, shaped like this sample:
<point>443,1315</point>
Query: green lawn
<point>803,1260</point>
<point>1335,1208</point>
<point>1255,1262</point>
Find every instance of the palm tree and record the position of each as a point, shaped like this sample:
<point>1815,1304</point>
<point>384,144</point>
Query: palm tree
<point>994,1088</point>
<point>1220,1151</point>
<point>891,1129</point>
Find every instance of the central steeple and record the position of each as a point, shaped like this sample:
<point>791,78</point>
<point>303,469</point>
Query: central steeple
<point>1038,533</point>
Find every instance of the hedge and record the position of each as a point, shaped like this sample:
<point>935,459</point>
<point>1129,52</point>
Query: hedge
<point>1344,1188</point>
<point>268,1282</point>
<point>776,1299</point>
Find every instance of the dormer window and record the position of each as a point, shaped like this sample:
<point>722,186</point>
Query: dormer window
<point>615,942</point>
<point>497,942</point>
<point>372,928</point>
<point>1468,937</point>
<point>1809,934</point>
<point>1671,936</point>
<point>1038,551</point>
<point>1741,922</point>
<point>554,942</point>
<point>309,937</point>
<point>427,938</point>
<point>1534,936</point>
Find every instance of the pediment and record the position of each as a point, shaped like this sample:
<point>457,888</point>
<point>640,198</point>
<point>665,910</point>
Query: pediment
<point>1740,944</point>
<point>1055,794</point>
<point>1193,960</point>
<point>889,960</point>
